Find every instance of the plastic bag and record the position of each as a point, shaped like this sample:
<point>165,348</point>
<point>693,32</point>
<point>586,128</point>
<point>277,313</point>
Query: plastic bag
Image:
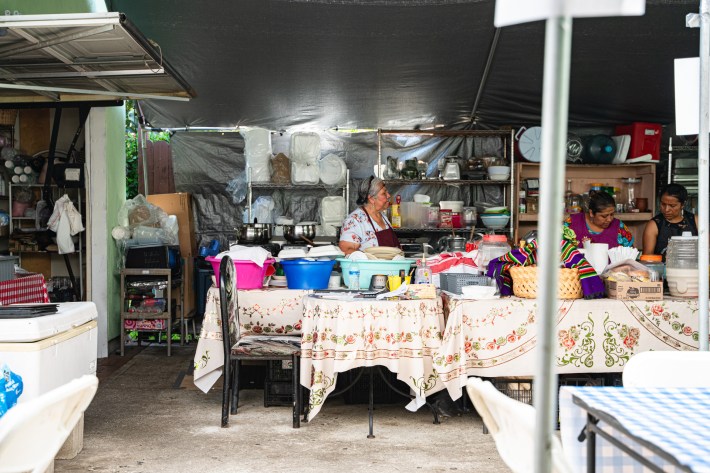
<point>11,387</point>
<point>139,212</point>
<point>263,209</point>
<point>237,188</point>
<point>281,169</point>
<point>257,152</point>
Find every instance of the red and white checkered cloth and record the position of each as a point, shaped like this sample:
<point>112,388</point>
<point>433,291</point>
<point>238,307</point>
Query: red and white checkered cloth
<point>26,290</point>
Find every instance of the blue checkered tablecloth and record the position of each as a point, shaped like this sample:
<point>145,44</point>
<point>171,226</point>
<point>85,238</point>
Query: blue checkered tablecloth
<point>677,420</point>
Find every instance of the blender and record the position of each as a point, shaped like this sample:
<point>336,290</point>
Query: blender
<point>629,193</point>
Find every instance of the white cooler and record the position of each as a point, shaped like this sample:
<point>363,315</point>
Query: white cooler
<point>52,350</point>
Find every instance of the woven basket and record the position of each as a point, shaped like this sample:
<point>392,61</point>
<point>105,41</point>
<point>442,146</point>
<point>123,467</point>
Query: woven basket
<point>8,116</point>
<point>525,282</point>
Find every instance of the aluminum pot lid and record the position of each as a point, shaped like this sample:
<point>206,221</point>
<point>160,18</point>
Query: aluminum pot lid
<point>529,144</point>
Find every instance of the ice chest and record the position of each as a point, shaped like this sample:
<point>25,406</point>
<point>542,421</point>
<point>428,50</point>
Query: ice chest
<point>645,139</point>
<point>52,350</point>
<point>642,291</point>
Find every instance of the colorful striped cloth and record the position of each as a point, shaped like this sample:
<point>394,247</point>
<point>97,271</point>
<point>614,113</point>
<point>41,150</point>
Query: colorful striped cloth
<point>499,268</point>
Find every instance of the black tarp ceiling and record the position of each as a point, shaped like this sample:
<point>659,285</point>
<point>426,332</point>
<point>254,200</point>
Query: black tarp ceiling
<point>317,64</point>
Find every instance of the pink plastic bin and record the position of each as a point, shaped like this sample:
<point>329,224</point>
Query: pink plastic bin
<point>249,274</point>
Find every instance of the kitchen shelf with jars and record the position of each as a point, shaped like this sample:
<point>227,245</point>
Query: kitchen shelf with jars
<point>633,186</point>
<point>471,169</point>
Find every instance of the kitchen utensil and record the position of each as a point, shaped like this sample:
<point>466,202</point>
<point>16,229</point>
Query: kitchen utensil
<point>378,282</point>
<point>575,149</point>
<point>528,143</point>
<point>452,171</point>
<point>254,232</point>
<point>295,233</point>
<point>451,243</point>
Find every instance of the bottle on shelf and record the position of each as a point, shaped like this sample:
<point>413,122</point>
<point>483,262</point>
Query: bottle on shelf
<point>396,214</point>
<point>522,204</point>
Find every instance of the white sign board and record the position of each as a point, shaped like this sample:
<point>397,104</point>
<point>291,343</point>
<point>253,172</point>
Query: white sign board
<point>687,96</point>
<point>513,12</point>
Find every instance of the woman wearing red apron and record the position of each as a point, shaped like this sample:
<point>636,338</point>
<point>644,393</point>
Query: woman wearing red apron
<point>367,225</point>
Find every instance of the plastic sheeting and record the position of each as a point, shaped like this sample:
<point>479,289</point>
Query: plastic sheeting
<point>313,65</point>
<point>204,164</point>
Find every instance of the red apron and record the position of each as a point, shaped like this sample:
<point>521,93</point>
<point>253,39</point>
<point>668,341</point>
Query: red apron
<point>385,237</point>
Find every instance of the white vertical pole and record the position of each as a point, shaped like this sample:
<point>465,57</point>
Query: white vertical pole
<point>555,104</point>
<point>703,170</point>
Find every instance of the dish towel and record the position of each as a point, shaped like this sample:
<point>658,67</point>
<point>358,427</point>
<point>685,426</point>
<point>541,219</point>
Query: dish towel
<point>499,268</point>
<point>255,254</point>
<point>66,222</point>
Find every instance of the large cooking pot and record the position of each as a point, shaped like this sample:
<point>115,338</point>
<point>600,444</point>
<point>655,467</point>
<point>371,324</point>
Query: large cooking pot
<point>300,232</point>
<point>254,233</point>
<point>451,243</point>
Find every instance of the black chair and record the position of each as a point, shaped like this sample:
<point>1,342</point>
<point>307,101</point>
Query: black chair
<point>238,347</point>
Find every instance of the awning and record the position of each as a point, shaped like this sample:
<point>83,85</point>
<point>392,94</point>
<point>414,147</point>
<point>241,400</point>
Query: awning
<point>80,57</point>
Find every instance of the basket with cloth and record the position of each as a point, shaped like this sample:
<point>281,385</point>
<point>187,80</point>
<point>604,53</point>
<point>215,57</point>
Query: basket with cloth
<point>590,282</point>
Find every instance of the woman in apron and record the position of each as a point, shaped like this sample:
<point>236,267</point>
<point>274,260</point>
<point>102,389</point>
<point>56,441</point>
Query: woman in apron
<point>367,225</point>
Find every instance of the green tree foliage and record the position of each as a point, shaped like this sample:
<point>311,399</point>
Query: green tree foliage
<point>132,147</point>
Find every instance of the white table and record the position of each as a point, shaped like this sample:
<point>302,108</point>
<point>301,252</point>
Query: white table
<point>666,427</point>
<point>341,335</point>
<point>261,312</point>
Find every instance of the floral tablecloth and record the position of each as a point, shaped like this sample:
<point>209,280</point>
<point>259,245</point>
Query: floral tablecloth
<point>341,335</point>
<point>261,311</point>
<point>497,338</point>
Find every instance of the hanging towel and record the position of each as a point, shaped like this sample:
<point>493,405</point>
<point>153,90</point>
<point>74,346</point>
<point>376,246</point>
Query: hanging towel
<point>499,268</point>
<point>66,222</point>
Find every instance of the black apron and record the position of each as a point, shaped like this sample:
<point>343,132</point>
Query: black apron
<point>385,237</point>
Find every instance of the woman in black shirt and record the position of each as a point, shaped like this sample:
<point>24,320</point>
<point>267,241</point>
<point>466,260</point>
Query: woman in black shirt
<point>672,220</point>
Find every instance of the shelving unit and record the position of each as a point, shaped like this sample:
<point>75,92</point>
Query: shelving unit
<point>582,175</point>
<point>683,169</point>
<point>159,277</point>
<point>28,225</point>
<point>345,189</point>
<point>507,186</point>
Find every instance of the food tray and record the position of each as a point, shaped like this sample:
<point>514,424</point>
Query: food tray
<point>453,282</point>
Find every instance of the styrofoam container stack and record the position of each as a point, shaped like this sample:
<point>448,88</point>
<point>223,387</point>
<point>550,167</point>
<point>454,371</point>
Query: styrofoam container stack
<point>332,214</point>
<point>257,152</point>
<point>305,151</point>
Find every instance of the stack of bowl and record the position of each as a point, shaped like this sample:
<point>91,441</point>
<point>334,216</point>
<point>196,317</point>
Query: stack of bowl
<point>496,218</point>
<point>498,173</point>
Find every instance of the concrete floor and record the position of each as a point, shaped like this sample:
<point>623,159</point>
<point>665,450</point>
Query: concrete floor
<point>139,422</point>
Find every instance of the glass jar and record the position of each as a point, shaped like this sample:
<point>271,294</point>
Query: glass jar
<point>492,247</point>
<point>469,216</point>
<point>531,202</point>
<point>433,216</point>
<point>655,265</point>
<point>410,170</point>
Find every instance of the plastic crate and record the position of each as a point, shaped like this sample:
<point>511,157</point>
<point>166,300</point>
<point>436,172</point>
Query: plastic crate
<point>453,282</point>
<point>278,384</point>
<point>518,389</point>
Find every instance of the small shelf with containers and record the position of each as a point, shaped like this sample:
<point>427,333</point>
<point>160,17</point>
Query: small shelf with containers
<point>466,172</point>
<point>628,182</point>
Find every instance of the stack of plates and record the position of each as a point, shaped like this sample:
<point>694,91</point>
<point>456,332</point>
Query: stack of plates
<point>278,281</point>
<point>292,253</point>
<point>325,251</point>
<point>382,252</point>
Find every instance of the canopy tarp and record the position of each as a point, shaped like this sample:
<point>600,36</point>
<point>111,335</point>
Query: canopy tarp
<point>319,64</point>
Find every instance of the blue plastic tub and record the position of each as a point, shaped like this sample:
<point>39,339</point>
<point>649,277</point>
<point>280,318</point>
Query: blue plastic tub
<point>304,274</point>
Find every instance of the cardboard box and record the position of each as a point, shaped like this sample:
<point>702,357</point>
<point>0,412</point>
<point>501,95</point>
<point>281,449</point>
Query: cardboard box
<point>180,205</point>
<point>642,291</point>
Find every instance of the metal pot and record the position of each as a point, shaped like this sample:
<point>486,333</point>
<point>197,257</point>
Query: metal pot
<point>300,232</point>
<point>451,243</point>
<point>254,233</point>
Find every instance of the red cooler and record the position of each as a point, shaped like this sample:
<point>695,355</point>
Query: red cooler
<point>645,140</point>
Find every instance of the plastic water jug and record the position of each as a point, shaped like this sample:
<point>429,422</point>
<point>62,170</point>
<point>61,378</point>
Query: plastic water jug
<point>682,265</point>
<point>492,247</point>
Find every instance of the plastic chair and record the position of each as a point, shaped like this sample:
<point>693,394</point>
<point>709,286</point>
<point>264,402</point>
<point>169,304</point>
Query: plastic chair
<point>238,347</point>
<point>31,433</point>
<point>512,424</point>
<point>651,369</point>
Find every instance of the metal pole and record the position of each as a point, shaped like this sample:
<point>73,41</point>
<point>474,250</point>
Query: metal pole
<point>703,170</point>
<point>555,103</point>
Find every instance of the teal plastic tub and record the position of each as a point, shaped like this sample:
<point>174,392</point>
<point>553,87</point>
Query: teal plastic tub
<point>305,274</point>
<point>370,267</point>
